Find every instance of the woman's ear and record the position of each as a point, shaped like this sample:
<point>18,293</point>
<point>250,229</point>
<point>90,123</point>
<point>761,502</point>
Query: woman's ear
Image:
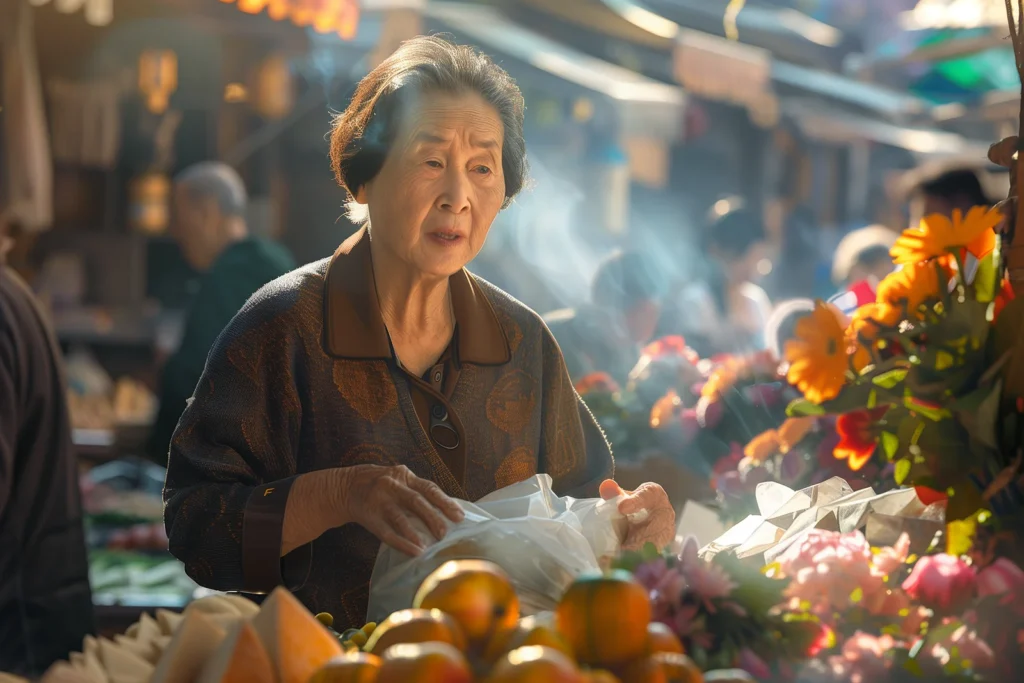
<point>360,195</point>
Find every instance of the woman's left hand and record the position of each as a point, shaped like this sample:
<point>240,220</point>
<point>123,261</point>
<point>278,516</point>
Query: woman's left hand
<point>652,519</point>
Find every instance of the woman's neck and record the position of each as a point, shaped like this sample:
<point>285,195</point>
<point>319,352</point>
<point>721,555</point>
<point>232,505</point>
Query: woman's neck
<point>412,305</point>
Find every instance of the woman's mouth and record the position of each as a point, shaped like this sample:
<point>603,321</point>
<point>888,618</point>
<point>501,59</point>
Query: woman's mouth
<point>446,238</point>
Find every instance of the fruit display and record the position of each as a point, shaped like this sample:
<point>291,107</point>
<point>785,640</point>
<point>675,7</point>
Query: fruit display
<point>128,402</point>
<point>465,625</point>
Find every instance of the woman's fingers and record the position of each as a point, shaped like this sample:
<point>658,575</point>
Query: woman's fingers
<point>430,515</point>
<point>398,521</point>
<point>433,493</point>
<point>402,545</point>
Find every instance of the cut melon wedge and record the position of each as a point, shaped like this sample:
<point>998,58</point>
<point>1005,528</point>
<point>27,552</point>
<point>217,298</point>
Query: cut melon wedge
<point>168,621</point>
<point>193,643</point>
<point>246,607</point>
<point>137,648</point>
<point>122,665</point>
<point>147,630</point>
<point>297,643</point>
<point>241,658</point>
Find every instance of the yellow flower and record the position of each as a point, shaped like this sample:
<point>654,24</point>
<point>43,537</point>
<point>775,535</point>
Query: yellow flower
<point>763,446</point>
<point>793,431</point>
<point>938,234</point>
<point>910,286</point>
<point>817,357</point>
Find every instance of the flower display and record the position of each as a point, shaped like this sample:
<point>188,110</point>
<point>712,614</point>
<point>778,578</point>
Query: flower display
<point>858,436</point>
<point>938,235</point>
<point>941,581</point>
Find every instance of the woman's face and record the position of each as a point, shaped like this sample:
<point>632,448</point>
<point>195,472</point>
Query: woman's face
<point>441,185</point>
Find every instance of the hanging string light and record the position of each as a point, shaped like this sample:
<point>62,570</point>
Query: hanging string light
<point>323,16</point>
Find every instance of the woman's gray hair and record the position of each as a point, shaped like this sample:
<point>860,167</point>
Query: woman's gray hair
<point>362,135</point>
<point>217,181</point>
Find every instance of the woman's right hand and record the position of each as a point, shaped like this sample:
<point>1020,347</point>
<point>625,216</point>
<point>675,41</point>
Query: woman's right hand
<point>385,500</point>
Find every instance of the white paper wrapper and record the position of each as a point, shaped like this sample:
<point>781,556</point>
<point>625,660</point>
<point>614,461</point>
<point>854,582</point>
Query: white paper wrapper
<point>542,541</point>
<point>786,515</point>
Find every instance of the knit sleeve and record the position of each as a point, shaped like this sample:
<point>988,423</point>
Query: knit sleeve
<point>233,456</point>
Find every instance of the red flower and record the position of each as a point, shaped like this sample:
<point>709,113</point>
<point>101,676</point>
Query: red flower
<point>596,382</point>
<point>1003,297</point>
<point>928,496</point>
<point>857,436</point>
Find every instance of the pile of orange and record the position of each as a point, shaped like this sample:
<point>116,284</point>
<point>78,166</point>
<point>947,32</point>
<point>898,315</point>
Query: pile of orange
<point>465,627</point>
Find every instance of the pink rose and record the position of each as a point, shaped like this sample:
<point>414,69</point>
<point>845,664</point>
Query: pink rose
<point>827,567</point>
<point>1002,576</point>
<point>967,645</point>
<point>941,581</point>
<point>888,560</point>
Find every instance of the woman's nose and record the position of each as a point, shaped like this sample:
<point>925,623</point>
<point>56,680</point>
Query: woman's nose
<point>455,194</point>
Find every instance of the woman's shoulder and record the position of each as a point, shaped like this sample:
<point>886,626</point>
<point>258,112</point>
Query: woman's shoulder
<point>511,312</point>
<point>293,300</point>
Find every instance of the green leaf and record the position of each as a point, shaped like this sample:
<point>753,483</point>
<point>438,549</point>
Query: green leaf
<point>932,412</point>
<point>981,422</point>
<point>889,380</point>
<point>987,277</point>
<point>650,552</point>
<point>902,471</point>
<point>801,407</point>
<point>890,444</point>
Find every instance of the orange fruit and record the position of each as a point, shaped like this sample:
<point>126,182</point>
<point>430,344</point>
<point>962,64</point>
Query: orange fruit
<point>529,631</point>
<point>604,619</point>
<point>660,638</point>
<point>353,667</point>
<point>416,626</point>
<point>679,668</point>
<point>600,676</point>
<point>643,670</point>
<point>423,663</point>
<point>476,594</point>
<point>535,664</point>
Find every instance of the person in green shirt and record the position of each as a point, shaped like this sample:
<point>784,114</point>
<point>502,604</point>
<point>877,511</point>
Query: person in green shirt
<point>208,223</point>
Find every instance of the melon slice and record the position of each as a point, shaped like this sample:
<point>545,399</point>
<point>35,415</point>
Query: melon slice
<point>158,646</point>
<point>246,607</point>
<point>213,604</point>
<point>122,665</point>
<point>168,621</point>
<point>241,658</point>
<point>61,672</point>
<point>297,643</point>
<point>89,665</point>
<point>194,641</point>
<point>138,648</point>
<point>148,628</point>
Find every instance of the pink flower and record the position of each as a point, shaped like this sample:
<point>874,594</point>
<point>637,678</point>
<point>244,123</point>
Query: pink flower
<point>1000,577</point>
<point>753,665</point>
<point>941,581</point>
<point>705,579</point>
<point>888,560</point>
<point>967,645</point>
<point>827,568</point>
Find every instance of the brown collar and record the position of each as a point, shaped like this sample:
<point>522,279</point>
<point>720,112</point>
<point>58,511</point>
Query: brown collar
<point>354,328</point>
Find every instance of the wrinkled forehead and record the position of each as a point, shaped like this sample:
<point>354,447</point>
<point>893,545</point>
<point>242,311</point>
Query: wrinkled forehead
<point>439,118</point>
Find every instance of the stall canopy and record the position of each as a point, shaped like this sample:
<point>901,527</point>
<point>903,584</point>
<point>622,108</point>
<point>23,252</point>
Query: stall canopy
<point>642,106</point>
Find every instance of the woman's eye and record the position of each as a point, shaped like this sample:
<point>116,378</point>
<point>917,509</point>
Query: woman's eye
<point>434,163</point>
<point>483,170</point>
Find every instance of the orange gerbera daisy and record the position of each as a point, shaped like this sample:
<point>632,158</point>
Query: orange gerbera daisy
<point>938,234</point>
<point>910,286</point>
<point>817,356</point>
<point>763,446</point>
<point>858,437</point>
<point>793,431</point>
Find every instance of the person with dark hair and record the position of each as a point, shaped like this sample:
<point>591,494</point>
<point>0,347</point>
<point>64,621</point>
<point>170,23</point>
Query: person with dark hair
<point>607,334</point>
<point>45,600</point>
<point>358,396</point>
<point>724,311</point>
<point>208,223</point>
<point>955,189</point>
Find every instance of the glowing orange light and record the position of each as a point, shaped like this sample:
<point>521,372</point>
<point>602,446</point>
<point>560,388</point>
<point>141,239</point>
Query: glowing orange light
<point>323,16</point>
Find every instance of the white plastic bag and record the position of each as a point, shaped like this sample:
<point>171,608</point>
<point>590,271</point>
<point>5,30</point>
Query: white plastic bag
<point>542,541</point>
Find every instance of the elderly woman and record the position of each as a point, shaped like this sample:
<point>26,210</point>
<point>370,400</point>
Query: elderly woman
<point>363,391</point>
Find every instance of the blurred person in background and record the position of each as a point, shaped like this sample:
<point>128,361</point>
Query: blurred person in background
<point>45,599</point>
<point>794,272</point>
<point>955,189</point>
<point>208,223</point>
<point>863,256</point>
<point>607,334</point>
<point>725,312</point>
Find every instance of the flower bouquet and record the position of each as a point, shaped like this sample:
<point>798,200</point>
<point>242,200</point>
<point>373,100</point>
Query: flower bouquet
<point>917,377</point>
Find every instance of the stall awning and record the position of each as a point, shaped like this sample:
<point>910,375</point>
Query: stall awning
<point>642,106</point>
<point>840,127</point>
